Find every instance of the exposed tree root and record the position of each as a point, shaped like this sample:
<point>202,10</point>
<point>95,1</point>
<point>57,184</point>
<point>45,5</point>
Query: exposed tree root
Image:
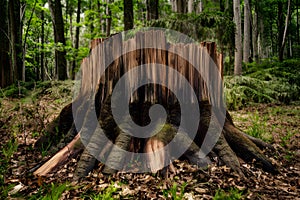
<point>69,151</point>
<point>231,144</point>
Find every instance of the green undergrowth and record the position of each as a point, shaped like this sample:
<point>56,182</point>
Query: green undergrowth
<point>33,90</point>
<point>231,194</point>
<point>267,82</point>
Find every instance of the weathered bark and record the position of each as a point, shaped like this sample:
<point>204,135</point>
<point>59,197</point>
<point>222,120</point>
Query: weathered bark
<point>59,38</point>
<point>6,72</point>
<point>238,54</point>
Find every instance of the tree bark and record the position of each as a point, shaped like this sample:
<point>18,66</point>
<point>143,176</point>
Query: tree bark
<point>231,143</point>
<point>246,50</point>
<point>108,19</point>
<point>283,40</point>
<point>279,27</point>
<point>59,38</point>
<point>190,6</point>
<point>16,39</point>
<point>43,45</point>
<point>238,54</point>
<point>76,39</point>
<point>254,35</point>
<point>128,15</point>
<point>181,6</point>
<point>152,9</point>
<point>6,72</point>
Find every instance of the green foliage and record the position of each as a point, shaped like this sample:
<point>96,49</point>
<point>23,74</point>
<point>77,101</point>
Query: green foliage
<point>258,127</point>
<point>10,148</point>
<point>107,194</point>
<point>7,150</point>
<point>232,194</point>
<point>242,90</point>
<point>172,192</point>
<point>264,83</point>
<point>55,192</point>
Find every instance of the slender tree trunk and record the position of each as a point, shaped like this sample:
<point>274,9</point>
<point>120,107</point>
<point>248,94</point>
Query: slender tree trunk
<point>190,6</point>
<point>108,19</point>
<point>100,17</point>
<point>181,6</point>
<point>16,39</point>
<point>200,7</point>
<point>128,15</point>
<point>222,5</point>
<point>174,5</point>
<point>59,38</point>
<point>246,50</point>
<point>43,46</point>
<point>152,9</point>
<point>283,41</point>
<point>298,37</point>
<point>76,39</point>
<point>238,54</point>
<point>254,35</point>
<point>279,26</point>
<point>6,72</point>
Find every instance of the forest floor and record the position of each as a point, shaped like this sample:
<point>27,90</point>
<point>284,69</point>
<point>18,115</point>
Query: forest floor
<point>24,117</point>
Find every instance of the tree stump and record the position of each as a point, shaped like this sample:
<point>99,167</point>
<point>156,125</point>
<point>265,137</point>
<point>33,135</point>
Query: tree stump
<point>105,137</point>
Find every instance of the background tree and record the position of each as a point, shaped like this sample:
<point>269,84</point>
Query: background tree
<point>59,38</point>
<point>283,40</point>
<point>6,72</point>
<point>77,33</point>
<point>128,15</point>
<point>246,51</point>
<point>152,9</point>
<point>16,38</point>
<point>238,38</point>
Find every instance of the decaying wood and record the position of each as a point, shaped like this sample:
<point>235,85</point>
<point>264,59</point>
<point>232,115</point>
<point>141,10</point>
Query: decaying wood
<point>61,157</point>
<point>97,85</point>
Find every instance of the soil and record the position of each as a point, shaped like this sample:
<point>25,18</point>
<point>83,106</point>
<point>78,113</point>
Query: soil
<point>24,121</point>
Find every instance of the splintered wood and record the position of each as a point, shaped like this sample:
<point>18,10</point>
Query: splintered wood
<point>110,59</point>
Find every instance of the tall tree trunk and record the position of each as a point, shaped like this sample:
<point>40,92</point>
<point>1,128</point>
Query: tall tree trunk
<point>6,72</point>
<point>190,6</point>
<point>246,50</point>
<point>16,39</point>
<point>108,19</point>
<point>279,26</point>
<point>76,39</point>
<point>152,9</point>
<point>283,41</point>
<point>128,15</point>
<point>255,34</point>
<point>181,6</point>
<point>200,6</point>
<point>238,54</point>
<point>59,38</point>
<point>174,5</point>
<point>298,37</point>
<point>222,5</point>
<point>43,45</point>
